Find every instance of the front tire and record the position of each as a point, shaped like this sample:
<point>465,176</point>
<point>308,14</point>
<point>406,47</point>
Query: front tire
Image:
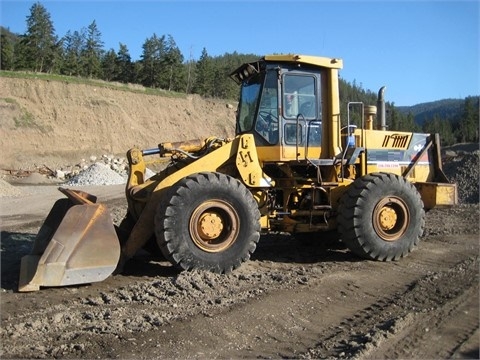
<point>381,217</point>
<point>210,221</point>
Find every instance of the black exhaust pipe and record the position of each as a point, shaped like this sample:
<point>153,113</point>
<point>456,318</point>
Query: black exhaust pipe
<point>381,113</point>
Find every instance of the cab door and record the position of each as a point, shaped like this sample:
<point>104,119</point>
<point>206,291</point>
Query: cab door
<point>301,115</point>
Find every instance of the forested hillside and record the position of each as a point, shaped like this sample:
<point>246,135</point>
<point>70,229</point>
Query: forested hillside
<point>80,53</point>
<point>456,120</point>
<point>445,109</point>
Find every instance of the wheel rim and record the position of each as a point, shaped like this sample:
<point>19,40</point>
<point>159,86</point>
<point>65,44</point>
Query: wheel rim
<point>214,226</point>
<point>391,218</point>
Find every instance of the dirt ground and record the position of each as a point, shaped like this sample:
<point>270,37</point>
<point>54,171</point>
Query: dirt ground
<point>293,299</point>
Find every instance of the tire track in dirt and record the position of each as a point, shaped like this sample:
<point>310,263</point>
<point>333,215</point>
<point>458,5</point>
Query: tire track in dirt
<point>404,324</point>
<point>436,316</point>
<point>438,333</point>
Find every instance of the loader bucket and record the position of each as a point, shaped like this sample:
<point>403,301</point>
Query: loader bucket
<point>76,244</point>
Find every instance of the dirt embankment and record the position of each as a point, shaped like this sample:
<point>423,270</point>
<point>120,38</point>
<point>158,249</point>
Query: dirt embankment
<point>52,122</point>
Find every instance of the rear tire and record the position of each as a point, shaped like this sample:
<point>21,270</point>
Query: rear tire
<point>381,217</point>
<point>209,221</point>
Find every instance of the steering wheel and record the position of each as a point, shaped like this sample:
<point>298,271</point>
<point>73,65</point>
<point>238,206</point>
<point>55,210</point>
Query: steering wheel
<point>268,118</point>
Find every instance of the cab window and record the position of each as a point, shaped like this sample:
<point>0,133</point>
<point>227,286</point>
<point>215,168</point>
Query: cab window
<point>266,124</point>
<point>293,134</point>
<point>299,96</point>
<point>314,133</point>
<point>248,101</point>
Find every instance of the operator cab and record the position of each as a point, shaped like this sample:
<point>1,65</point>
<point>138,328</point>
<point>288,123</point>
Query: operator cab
<point>280,103</point>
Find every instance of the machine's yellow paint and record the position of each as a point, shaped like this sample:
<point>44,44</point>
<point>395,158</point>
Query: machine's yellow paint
<point>437,194</point>
<point>330,63</point>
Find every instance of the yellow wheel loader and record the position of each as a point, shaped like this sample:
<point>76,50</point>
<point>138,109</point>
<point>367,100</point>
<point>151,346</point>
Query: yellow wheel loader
<point>294,166</point>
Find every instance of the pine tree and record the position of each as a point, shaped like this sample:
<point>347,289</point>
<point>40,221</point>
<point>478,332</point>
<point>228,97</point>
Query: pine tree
<point>124,64</point>
<point>147,73</point>
<point>409,124</point>
<point>40,40</point>
<point>468,126</point>
<point>92,52</point>
<point>204,82</point>
<point>151,59</point>
<point>110,68</point>
<point>394,123</point>
<point>73,45</point>
<point>189,70</point>
<point>20,55</point>
<point>172,66</point>
<point>7,55</point>
<point>443,127</point>
<point>137,71</point>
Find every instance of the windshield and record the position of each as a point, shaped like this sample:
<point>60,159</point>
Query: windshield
<point>248,102</point>
<point>267,118</point>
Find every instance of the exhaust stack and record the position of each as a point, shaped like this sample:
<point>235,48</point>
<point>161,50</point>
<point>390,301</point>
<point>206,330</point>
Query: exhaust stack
<point>381,113</point>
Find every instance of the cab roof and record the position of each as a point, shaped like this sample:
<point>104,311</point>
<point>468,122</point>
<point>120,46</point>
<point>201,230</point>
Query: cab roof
<point>248,69</point>
<point>332,63</point>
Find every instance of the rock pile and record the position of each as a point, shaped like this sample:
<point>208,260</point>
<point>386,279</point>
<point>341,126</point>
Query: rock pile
<point>464,169</point>
<point>97,174</point>
<point>118,165</point>
<point>7,189</point>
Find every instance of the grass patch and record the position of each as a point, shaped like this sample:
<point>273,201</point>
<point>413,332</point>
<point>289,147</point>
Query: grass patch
<point>26,120</point>
<point>10,101</point>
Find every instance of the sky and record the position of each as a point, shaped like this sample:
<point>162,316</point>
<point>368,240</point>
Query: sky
<point>420,50</point>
